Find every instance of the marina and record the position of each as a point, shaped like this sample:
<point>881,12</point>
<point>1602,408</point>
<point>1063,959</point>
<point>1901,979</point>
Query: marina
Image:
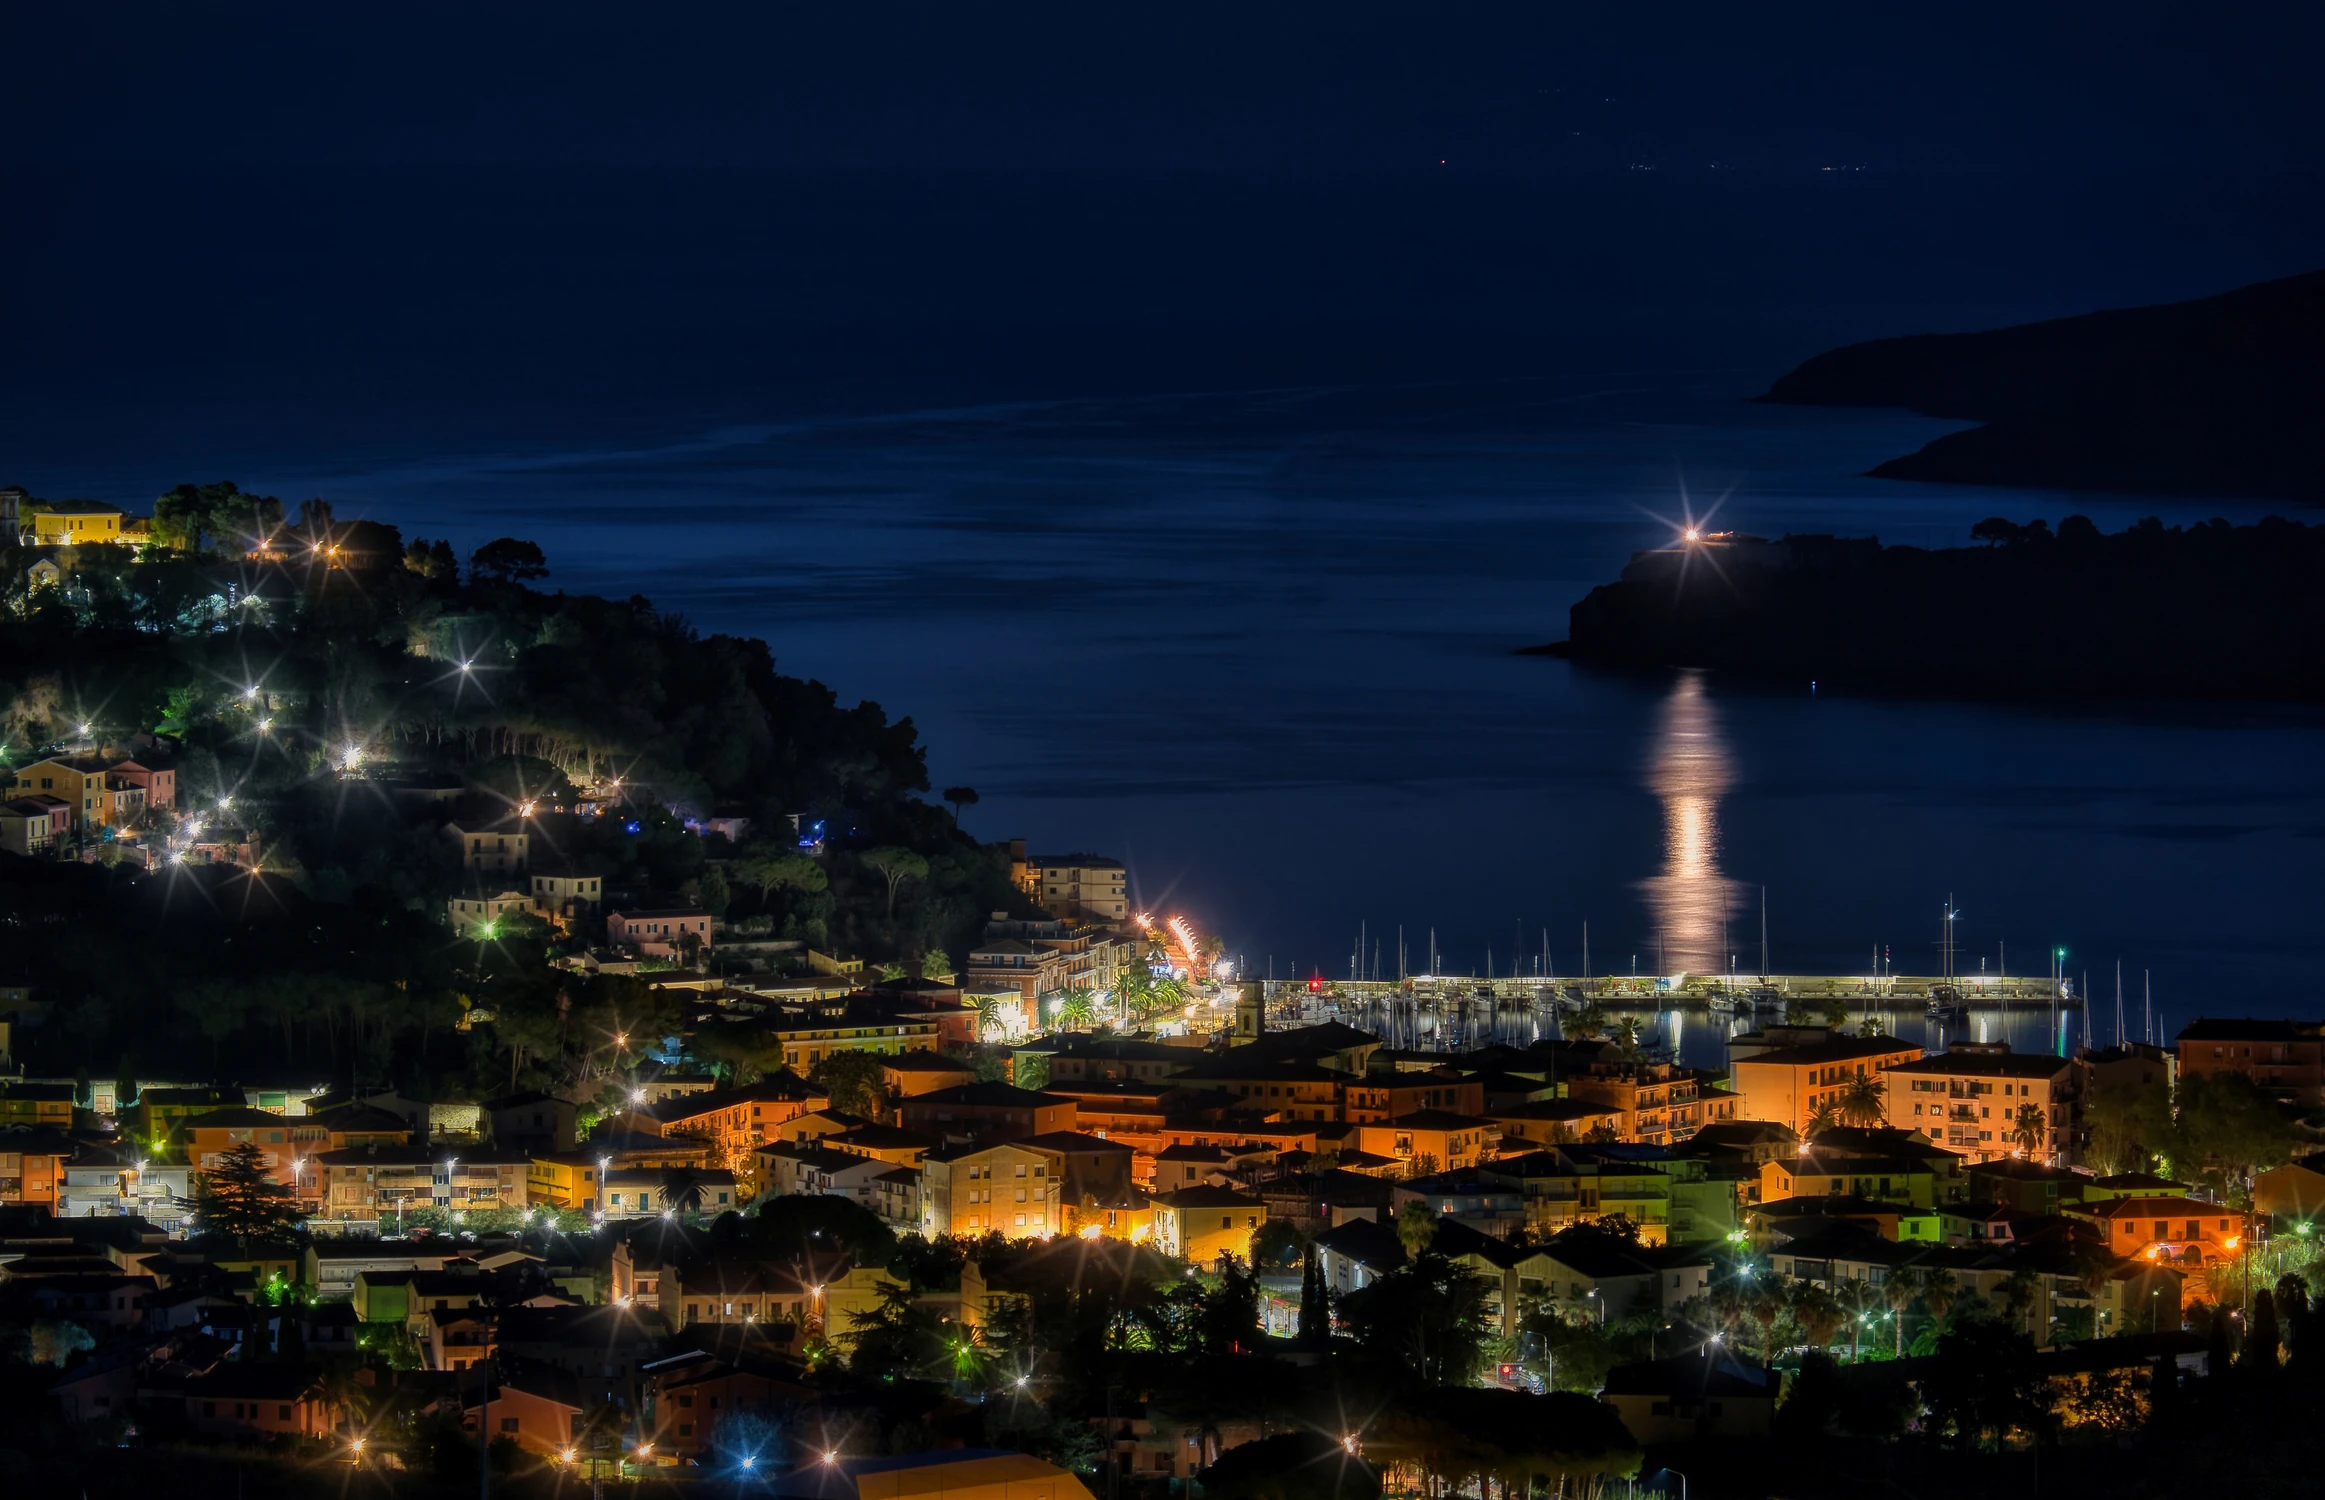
<point>1686,1019</point>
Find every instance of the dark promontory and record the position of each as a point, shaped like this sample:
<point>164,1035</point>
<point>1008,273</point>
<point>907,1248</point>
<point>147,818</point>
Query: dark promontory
<point>2211,611</point>
<point>2223,396</point>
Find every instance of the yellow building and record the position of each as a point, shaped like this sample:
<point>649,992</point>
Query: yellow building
<point>1656,1103</point>
<point>566,1179</point>
<point>1003,1189</point>
<point>71,523</point>
<point>37,1104</point>
<point>1790,1085</point>
<point>480,916</point>
<point>492,848</point>
<point>1073,885</point>
<point>1431,1140</point>
<point>1882,1179</point>
<point>79,780</point>
<point>1200,1224</point>
<point>1969,1099</point>
<point>561,896</point>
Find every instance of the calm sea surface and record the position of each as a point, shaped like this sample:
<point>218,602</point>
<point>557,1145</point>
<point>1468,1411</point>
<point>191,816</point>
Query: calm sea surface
<point>1259,644</point>
<point>1251,630</point>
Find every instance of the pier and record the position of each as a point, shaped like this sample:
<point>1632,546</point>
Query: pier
<point>1707,991</point>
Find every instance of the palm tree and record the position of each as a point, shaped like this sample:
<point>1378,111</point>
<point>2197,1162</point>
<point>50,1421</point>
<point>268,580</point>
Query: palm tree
<point>1900,1288</point>
<point>1824,1117</point>
<point>1856,1299</point>
<point>1729,1301</point>
<point>2029,1128</point>
<point>988,1008</point>
<point>1077,1007</point>
<point>682,1189</point>
<point>1939,1292</point>
<point>348,1396</point>
<point>1864,1102</point>
<point>1817,1311</point>
<point>2020,1290</point>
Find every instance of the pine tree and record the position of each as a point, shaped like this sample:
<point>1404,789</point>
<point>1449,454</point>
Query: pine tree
<point>238,1199</point>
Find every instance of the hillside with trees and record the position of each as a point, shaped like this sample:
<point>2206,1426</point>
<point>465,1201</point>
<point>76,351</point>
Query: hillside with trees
<point>311,680</point>
<point>2211,611</point>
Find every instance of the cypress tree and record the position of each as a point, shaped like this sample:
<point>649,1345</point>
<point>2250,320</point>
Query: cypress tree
<point>1315,1310</point>
<point>2260,1338</point>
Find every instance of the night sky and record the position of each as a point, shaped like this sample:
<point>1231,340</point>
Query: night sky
<point>1283,92</point>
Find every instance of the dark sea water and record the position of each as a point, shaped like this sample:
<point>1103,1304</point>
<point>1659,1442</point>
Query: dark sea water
<point>1231,589</point>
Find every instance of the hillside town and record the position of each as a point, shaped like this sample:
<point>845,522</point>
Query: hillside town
<point>418,1061</point>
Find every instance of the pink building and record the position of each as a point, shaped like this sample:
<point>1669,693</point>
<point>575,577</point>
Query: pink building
<point>658,934</point>
<point>160,782</point>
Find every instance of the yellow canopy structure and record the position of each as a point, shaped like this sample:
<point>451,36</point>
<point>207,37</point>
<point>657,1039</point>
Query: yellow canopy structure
<point>946,1474</point>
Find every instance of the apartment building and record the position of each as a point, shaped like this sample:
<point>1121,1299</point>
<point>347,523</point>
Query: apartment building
<point>500,847</point>
<point>1003,1188</point>
<point>2286,1058</point>
<point>1075,887</point>
<point>1974,1099</point>
<point>1792,1084</point>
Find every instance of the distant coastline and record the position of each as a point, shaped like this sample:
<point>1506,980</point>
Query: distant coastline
<point>2207,612</point>
<point>2214,397</point>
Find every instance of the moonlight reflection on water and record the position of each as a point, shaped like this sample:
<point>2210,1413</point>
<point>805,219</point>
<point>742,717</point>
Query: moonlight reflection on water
<point>1689,768</point>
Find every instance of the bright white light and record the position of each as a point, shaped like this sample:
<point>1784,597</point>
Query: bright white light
<point>464,666</point>
<point>250,692</point>
<point>264,725</point>
<point>637,1096</point>
<point>85,728</point>
<point>749,1462</point>
<point>1694,535</point>
<point>831,1458</point>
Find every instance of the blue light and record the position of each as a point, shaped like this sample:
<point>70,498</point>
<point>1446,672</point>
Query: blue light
<point>631,826</point>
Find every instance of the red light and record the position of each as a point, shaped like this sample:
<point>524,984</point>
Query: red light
<point>1315,984</point>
